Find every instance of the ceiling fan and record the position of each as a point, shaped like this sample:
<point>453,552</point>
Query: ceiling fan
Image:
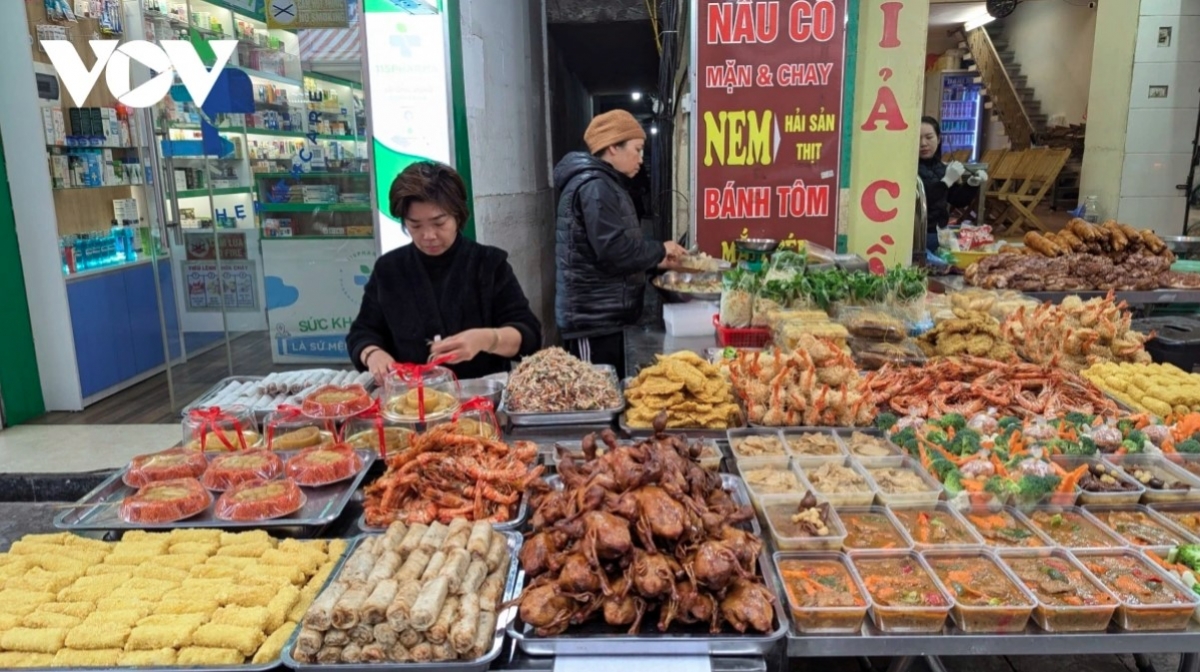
<point>1001,8</point>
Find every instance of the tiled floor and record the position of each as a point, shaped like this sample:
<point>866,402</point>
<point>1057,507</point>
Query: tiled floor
<point>55,449</point>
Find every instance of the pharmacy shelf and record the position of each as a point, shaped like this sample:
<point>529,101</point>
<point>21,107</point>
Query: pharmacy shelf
<point>313,207</point>
<point>313,175</point>
<point>203,193</point>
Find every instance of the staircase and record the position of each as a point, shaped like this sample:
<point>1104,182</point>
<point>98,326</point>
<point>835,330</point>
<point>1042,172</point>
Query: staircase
<point>1010,97</point>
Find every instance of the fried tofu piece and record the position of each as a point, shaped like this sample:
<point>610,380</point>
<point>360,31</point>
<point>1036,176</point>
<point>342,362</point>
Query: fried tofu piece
<point>17,659</point>
<point>85,658</point>
<point>128,616</point>
<point>184,561</point>
<point>244,550</point>
<point>38,580</point>
<point>205,548</point>
<point>77,609</point>
<point>273,646</point>
<point>161,573</point>
<point>164,632</point>
<point>202,535</point>
<point>247,537</point>
<point>33,640</point>
<point>203,655</point>
<point>155,658</point>
<point>243,639</point>
<point>49,619</point>
<point>207,571</point>
<point>308,562</point>
<point>92,588</point>
<point>98,634</point>
<point>269,573</point>
<point>248,617</point>
<point>251,596</point>
<point>189,606</point>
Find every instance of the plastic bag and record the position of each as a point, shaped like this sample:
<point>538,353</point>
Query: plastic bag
<point>220,429</point>
<point>260,499</point>
<point>336,402</point>
<point>164,502</point>
<point>477,417</point>
<point>370,429</point>
<point>787,334</point>
<point>872,324</point>
<point>737,298</point>
<point>772,295</point>
<point>165,466</point>
<point>785,266</point>
<point>227,471</point>
<point>873,354</point>
<point>289,428</point>
<point>314,467</point>
<point>418,393</point>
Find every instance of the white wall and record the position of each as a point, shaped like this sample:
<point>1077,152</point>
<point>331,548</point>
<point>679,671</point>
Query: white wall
<point>503,63</point>
<point>1053,42</point>
<point>1158,139</point>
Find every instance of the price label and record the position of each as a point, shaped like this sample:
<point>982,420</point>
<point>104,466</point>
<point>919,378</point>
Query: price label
<point>626,663</point>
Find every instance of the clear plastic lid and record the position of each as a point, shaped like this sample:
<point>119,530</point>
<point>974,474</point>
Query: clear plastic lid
<point>260,499</point>
<point>1140,526</point>
<point>1103,483</point>
<point>872,528</point>
<point>165,466</point>
<point>841,482</point>
<point>1164,480</point>
<point>1150,598</point>
<point>838,607</point>
<point>1069,598</point>
<point>227,471</point>
<point>290,428</point>
<point>801,523</point>
<point>336,402</point>
<point>220,429</point>
<point>903,483</point>
<point>988,598</point>
<point>905,598</point>
<point>939,527</point>
<point>314,467</point>
<point>371,429</point>
<point>477,417</point>
<point>418,393</point>
<point>164,502</point>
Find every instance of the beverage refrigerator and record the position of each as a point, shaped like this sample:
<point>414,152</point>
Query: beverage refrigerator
<point>961,113</point>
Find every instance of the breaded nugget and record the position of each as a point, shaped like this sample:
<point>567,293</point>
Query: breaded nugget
<point>10,621</point>
<point>76,541</point>
<point>85,658</point>
<point>156,542</point>
<point>169,632</point>
<point>153,570</point>
<point>256,573</point>
<point>336,548</point>
<point>125,602</point>
<point>141,585</point>
<point>173,606</point>
<point>247,537</point>
<point>275,581</point>
<point>309,562</point>
<point>22,597</point>
<point>291,545</point>
<point>203,535</point>
<point>69,561</point>
<point>23,547</point>
<point>54,538</point>
<point>128,616</point>
<point>236,561</point>
<point>207,571</point>
<point>244,550</point>
<point>280,605</point>
<point>19,609</point>
<point>15,568</point>
<point>38,580</point>
<point>246,640</point>
<point>248,617</point>
<point>49,619</point>
<point>156,658</point>
<point>202,655</point>
<point>16,659</point>
<point>205,548</point>
<point>103,570</point>
<point>251,596</point>
<point>137,536</point>
<point>98,634</point>
<point>273,646</point>
<point>33,640</point>
<point>129,560</point>
<point>79,609</point>
<point>184,561</point>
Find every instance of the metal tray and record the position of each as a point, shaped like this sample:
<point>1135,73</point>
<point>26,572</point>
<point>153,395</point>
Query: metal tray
<point>503,617</point>
<point>597,417</point>
<point>512,525</point>
<point>601,640</point>
<point>98,510</point>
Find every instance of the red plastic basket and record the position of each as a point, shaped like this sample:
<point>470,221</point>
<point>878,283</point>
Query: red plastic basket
<point>749,337</point>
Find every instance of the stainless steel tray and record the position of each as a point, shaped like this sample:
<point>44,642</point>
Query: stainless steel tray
<point>601,640</point>
<point>98,510</point>
<point>503,617</point>
<point>202,400</point>
<point>597,417</point>
<point>512,525</point>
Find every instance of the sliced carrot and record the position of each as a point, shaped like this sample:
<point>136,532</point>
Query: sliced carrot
<point>1072,479</point>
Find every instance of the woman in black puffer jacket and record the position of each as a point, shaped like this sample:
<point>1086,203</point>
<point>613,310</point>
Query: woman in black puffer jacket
<point>601,257</point>
<point>942,182</point>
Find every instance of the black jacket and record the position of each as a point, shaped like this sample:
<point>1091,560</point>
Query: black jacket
<point>938,196</point>
<point>600,255</point>
<point>401,314</point>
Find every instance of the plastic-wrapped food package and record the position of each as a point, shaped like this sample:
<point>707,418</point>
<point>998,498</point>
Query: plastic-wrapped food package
<point>336,401</point>
<point>477,417</point>
<point>420,392</point>
<point>165,466</point>
<point>872,324</point>
<point>228,471</point>
<point>220,429</point>
<point>872,355</point>
<point>314,467</point>
<point>289,428</point>
<point>163,502</point>
<point>737,298</point>
<point>772,295</point>
<point>370,429</point>
<point>260,499</point>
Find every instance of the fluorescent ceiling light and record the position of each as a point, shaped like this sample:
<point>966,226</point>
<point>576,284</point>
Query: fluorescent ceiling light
<point>978,22</point>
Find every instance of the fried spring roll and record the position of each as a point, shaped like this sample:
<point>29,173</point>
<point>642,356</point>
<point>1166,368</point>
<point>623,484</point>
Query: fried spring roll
<point>329,655</point>
<point>429,604</point>
<point>401,607</point>
<point>485,634</point>
<point>385,635</point>
<point>440,630</point>
<point>421,653</point>
<point>434,537</point>
<point>477,571</point>
<point>348,610</point>
<point>352,653</point>
<point>435,565</point>
<point>492,591</point>
<point>497,552</point>
<point>412,539</point>
<point>480,539</point>
<point>413,566</point>
<point>309,641</point>
<point>443,652</point>
<point>456,541</point>
<point>385,567</point>
<point>462,633</point>
<point>410,638</point>
<point>361,634</point>
<point>399,653</point>
<point>374,653</point>
<point>338,638</point>
<point>395,536</point>
<point>455,568</point>
<point>375,609</point>
<point>320,614</point>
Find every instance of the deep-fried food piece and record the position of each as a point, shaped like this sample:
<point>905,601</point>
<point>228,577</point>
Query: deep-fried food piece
<point>202,655</point>
<point>1085,231</point>
<point>1152,242</point>
<point>1116,237</point>
<point>159,657</point>
<point>33,640</point>
<point>96,658</point>
<point>273,646</point>
<point>1069,240</point>
<point>245,640</point>
<point>1042,245</point>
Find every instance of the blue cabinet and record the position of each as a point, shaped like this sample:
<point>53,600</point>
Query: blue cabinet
<point>114,318</point>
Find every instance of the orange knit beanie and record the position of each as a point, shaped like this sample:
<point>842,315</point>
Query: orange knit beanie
<point>612,128</point>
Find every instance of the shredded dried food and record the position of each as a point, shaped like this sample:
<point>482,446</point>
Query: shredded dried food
<point>833,478</point>
<point>757,446</point>
<point>771,480</point>
<point>813,443</point>
<point>899,481</point>
<point>553,381</point>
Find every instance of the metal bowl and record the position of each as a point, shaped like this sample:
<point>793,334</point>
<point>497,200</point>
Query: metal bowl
<point>766,245</point>
<point>1184,247</point>
<point>678,296</point>
<point>487,388</point>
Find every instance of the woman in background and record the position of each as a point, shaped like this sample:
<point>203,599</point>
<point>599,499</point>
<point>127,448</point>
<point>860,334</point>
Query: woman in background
<point>943,182</point>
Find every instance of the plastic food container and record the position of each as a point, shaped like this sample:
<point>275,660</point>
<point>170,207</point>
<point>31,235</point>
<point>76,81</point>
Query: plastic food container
<point>868,446</point>
<point>785,478</point>
<point>420,393</point>
<point>927,497</point>
<point>802,573</point>
<point>336,402</point>
<point>289,428</point>
<point>260,500</point>
<point>902,573</point>
<point>220,429</point>
<point>1185,515</point>
<point>778,509</point>
<point>819,479</point>
<point>1064,525</point>
<point>1005,528</point>
<point>315,467</point>
<point>477,417</point>
<point>872,528</point>
<point>164,466</point>
<point>1131,496</point>
<point>1140,526</point>
<point>1160,467</point>
<point>227,471</point>
<point>807,450</point>
<point>373,430</point>
<point>1053,612</point>
<point>973,578</point>
<point>1189,463</point>
<point>1169,607</point>
<point>755,443</point>
<point>164,502</point>
<point>942,528</point>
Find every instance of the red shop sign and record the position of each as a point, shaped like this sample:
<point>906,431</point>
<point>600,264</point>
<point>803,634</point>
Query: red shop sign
<point>768,116</point>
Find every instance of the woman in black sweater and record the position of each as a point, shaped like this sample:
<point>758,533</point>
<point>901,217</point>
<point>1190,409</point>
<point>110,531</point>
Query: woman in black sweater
<point>444,295</point>
<point>942,182</point>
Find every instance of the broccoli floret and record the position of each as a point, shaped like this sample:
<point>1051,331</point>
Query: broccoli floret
<point>1077,418</point>
<point>940,467</point>
<point>1032,489</point>
<point>1131,446</point>
<point>1188,446</point>
<point>1086,446</point>
<point>953,421</point>
<point>907,439</point>
<point>1000,486</point>
<point>937,436</point>
<point>953,483</point>
<point>966,442</point>
<point>1126,426</point>
<point>885,421</point>
<point>1010,423</point>
<point>1189,554</point>
<point>1137,436</point>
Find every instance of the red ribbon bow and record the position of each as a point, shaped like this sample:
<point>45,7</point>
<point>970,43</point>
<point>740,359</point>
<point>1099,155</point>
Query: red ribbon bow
<point>208,419</point>
<point>487,413</point>
<point>284,413</point>
<point>374,414</point>
<point>415,373</point>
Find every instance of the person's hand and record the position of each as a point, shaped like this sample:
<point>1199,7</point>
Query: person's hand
<point>675,255</point>
<point>379,363</point>
<point>954,173</point>
<point>978,178</point>
<point>463,346</point>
